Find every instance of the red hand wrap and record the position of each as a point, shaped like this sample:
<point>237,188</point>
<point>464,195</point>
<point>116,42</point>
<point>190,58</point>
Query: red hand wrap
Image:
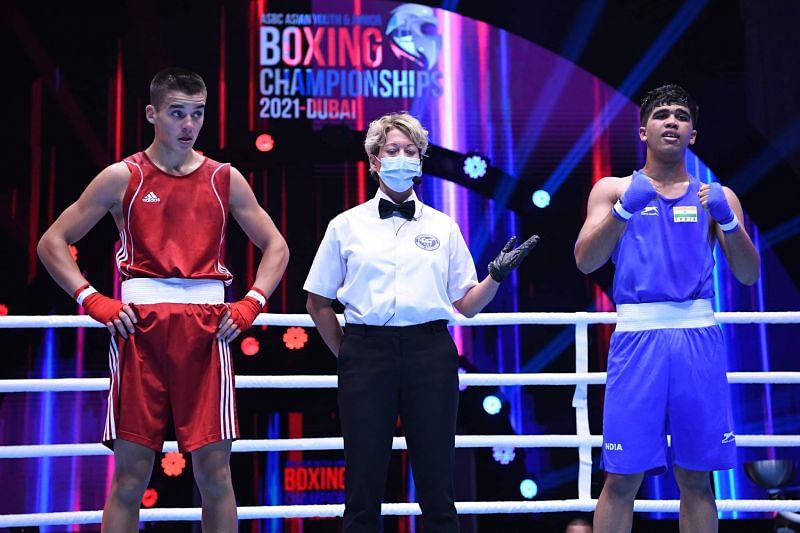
<point>101,308</point>
<point>244,312</point>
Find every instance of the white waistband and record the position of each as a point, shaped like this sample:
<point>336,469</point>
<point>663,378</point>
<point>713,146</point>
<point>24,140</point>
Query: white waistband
<point>173,290</point>
<point>665,315</point>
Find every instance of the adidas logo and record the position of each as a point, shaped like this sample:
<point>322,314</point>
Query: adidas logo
<point>728,437</point>
<point>151,198</point>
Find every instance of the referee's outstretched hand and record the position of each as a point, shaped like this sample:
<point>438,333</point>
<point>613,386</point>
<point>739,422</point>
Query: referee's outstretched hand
<point>509,257</point>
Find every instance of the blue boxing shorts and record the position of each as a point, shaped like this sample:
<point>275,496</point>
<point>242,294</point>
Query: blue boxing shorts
<point>666,375</point>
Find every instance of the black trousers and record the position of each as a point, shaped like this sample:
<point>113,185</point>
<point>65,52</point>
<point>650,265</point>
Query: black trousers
<point>411,371</point>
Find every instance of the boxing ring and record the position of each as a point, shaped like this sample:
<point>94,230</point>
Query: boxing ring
<point>583,441</point>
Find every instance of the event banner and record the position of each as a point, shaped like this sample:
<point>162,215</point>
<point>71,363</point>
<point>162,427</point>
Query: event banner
<point>319,65</point>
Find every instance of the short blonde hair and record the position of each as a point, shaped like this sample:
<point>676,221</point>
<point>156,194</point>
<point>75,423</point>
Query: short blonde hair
<point>409,125</point>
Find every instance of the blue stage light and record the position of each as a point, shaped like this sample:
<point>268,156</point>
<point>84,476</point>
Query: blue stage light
<point>492,404</point>
<point>503,455</point>
<point>659,47</point>
<point>528,489</point>
<point>541,198</point>
<point>475,166</point>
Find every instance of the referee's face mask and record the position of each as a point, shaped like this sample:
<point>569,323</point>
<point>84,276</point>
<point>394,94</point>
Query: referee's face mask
<point>399,172</point>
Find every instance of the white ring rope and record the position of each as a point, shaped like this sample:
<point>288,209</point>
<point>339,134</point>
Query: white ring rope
<point>27,451</point>
<point>394,509</point>
<point>481,319</point>
<point>327,382</point>
<point>583,441</point>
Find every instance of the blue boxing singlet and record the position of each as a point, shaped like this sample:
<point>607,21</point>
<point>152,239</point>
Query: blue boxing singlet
<point>664,255</point>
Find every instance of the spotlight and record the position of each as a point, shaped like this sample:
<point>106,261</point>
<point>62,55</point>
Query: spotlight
<point>503,455</point>
<point>475,166</point>
<point>541,198</point>
<point>250,346</point>
<point>492,404</point>
<point>150,497</point>
<point>528,489</point>
<point>265,142</point>
<point>173,463</point>
<point>295,338</point>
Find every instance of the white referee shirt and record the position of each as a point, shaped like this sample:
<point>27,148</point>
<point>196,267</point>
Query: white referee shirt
<point>393,271</point>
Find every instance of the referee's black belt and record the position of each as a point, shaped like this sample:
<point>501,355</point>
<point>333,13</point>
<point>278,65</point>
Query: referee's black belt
<point>366,330</point>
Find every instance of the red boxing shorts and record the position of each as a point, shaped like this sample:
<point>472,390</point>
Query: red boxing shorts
<point>172,368</point>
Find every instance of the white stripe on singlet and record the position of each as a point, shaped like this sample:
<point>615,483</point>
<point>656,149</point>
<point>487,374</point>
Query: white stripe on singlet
<point>122,253</point>
<point>219,266</point>
<point>130,206</point>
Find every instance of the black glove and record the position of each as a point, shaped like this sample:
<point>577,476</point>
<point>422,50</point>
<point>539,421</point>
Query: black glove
<point>509,257</point>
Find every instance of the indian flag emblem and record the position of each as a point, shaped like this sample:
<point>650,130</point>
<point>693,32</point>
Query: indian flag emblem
<point>684,213</point>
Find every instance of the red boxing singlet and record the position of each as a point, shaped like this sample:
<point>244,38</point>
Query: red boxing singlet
<point>174,226</point>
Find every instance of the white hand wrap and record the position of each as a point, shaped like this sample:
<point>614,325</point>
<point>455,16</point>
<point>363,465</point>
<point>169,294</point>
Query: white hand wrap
<point>84,294</point>
<point>621,212</point>
<point>730,226</point>
<point>255,295</point>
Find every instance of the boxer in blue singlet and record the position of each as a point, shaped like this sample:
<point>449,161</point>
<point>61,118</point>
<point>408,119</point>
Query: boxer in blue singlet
<point>667,363</point>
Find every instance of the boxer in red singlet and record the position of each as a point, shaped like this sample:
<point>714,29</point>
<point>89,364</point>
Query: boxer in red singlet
<point>169,355</point>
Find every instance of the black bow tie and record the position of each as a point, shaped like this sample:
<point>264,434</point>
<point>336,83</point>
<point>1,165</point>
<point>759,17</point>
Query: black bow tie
<point>387,209</point>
